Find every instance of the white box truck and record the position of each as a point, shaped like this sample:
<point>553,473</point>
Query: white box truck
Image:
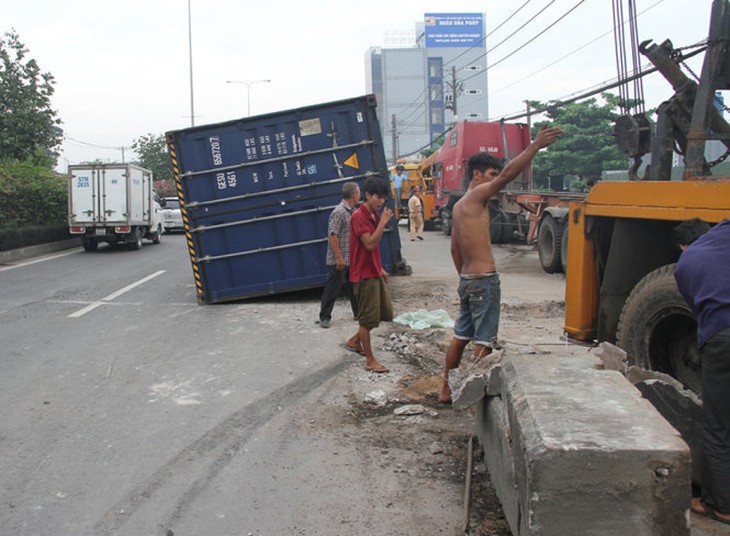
<point>113,203</point>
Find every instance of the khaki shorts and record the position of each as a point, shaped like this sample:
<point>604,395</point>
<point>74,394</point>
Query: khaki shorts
<point>373,302</point>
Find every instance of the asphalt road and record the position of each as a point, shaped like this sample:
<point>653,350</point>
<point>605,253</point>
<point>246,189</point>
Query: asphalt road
<point>126,404</point>
<point>128,409</point>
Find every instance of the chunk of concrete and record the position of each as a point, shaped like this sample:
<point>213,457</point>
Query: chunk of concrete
<point>468,386</point>
<point>471,390</point>
<point>612,357</point>
<point>576,450</point>
<point>683,410</point>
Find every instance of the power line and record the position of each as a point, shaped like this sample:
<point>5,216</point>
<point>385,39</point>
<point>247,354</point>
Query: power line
<point>528,41</point>
<point>484,39</point>
<point>87,144</point>
<point>520,28</point>
<point>568,54</point>
<point>418,103</point>
<point>591,91</point>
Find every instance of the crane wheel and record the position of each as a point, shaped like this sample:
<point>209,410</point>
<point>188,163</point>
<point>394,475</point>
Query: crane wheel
<point>549,238</point>
<point>657,329</point>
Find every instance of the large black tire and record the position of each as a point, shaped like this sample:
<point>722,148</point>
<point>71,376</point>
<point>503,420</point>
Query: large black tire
<point>549,238</point>
<point>564,249</point>
<point>657,329</point>
<point>156,236</point>
<point>446,222</point>
<point>136,241</point>
<point>497,223</point>
<point>90,244</point>
<point>508,232</point>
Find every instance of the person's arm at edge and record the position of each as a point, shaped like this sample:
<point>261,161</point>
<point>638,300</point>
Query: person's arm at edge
<point>546,136</point>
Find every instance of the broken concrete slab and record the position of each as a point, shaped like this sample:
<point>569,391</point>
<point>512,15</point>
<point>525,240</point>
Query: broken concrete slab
<point>468,386</point>
<point>612,357</point>
<point>576,450</point>
<point>470,391</point>
<point>683,410</point>
<point>637,374</point>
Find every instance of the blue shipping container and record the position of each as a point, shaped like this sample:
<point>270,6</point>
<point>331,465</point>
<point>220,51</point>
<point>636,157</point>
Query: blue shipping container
<point>256,195</point>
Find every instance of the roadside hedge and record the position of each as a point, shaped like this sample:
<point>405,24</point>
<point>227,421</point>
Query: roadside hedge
<point>31,236</point>
<point>33,205</point>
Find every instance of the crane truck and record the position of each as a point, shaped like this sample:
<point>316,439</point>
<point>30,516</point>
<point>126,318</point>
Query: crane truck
<point>619,283</point>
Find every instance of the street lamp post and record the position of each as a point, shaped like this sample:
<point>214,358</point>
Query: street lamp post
<point>190,53</point>
<point>248,90</point>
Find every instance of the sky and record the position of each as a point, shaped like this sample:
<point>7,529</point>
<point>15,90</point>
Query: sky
<point>122,68</point>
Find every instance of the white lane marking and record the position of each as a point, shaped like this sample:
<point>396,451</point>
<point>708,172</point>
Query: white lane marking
<point>114,295</point>
<point>129,287</point>
<point>41,259</point>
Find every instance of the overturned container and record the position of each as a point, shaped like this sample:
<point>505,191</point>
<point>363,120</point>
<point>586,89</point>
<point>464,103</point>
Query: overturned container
<point>256,195</point>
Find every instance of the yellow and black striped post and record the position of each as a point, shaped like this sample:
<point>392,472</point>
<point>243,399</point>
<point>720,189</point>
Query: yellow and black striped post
<point>186,220</point>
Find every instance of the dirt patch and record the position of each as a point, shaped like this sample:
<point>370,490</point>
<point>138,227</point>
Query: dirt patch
<point>431,446</point>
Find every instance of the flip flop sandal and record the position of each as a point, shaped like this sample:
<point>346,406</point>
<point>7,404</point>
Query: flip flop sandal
<point>712,514</point>
<point>709,511</point>
<point>352,349</point>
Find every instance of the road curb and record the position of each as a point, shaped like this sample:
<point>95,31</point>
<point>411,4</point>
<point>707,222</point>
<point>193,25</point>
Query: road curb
<point>13,255</point>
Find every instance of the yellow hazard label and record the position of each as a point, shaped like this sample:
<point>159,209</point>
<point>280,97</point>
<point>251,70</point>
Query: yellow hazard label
<point>353,162</point>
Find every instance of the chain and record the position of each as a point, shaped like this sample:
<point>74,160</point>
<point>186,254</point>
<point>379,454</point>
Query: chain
<point>719,159</point>
<point>676,55</point>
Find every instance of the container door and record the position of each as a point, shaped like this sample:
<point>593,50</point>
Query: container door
<point>85,197</point>
<point>139,195</point>
<point>114,202</point>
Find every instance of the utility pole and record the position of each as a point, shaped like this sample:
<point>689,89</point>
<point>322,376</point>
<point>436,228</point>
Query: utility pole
<point>528,171</point>
<point>394,134</point>
<point>455,89</point>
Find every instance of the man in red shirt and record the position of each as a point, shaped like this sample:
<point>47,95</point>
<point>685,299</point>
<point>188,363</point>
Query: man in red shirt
<point>366,270</point>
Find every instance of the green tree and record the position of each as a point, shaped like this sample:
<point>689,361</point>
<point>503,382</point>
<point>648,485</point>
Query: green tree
<point>587,146</point>
<point>29,128</point>
<point>152,153</point>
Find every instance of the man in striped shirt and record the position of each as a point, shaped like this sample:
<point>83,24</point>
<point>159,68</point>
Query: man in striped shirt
<point>338,254</point>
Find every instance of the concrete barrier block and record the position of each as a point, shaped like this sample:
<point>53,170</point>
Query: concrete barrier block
<point>576,450</point>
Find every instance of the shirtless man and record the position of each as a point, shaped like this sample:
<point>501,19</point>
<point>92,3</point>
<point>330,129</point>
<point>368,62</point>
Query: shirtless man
<point>471,251</point>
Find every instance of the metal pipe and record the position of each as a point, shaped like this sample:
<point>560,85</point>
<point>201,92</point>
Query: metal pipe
<point>467,490</point>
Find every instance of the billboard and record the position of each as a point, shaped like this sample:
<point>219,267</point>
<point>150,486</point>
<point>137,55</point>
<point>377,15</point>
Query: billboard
<point>454,30</point>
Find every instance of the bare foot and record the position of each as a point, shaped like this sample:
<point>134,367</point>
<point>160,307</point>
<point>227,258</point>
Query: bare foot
<point>375,366</point>
<point>445,396</point>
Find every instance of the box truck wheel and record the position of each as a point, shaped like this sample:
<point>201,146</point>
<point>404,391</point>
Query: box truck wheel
<point>90,244</point>
<point>135,239</point>
<point>657,329</point>
<point>549,237</point>
<point>157,234</point>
